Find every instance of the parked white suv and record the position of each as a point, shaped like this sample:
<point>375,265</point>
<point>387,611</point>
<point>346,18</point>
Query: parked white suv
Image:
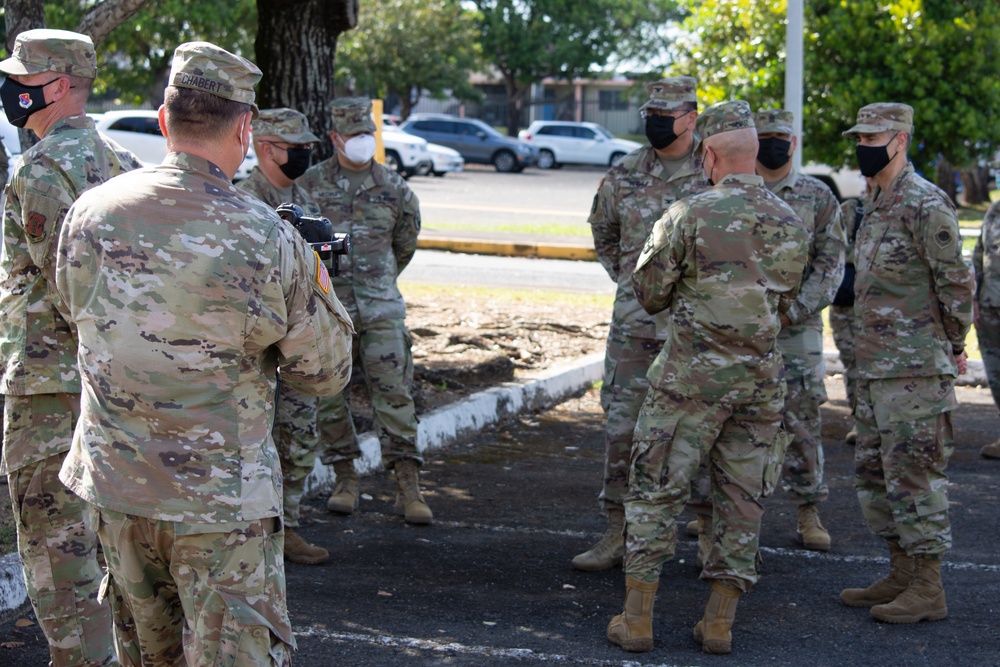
<point>139,131</point>
<point>405,153</point>
<point>565,142</point>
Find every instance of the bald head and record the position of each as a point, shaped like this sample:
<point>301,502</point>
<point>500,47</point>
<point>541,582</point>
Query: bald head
<point>732,152</point>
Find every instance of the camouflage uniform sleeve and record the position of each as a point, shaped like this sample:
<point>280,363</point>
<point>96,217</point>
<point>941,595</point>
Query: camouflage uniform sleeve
<point>43,205</point>
<point>663,260</point>
<point>827,266</point>
<point>992,219</point>
<point>404,235</point>
<point>606,227</point>
<point>316,349</point>
<point>936,231</point>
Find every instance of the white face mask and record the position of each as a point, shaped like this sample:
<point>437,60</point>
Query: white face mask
<point>360,149</point>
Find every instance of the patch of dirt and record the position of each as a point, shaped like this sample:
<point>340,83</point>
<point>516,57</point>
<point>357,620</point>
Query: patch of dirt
<point>463,344</point>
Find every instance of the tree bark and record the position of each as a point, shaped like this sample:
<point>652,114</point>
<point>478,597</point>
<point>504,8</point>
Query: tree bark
<point>975,185</point>
<point>945,179</point>
<point>296,48</point>
<point>513,104</point>
<point>106,16</point>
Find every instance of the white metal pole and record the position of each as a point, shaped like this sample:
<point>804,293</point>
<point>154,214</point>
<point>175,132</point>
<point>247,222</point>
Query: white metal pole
<point>793,70</point>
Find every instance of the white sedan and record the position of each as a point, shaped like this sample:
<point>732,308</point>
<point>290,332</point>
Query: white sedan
<point>444,159</point>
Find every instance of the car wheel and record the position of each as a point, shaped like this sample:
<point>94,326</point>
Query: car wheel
<point>393,162</point>
<point>504,161</point>
<point>546,160</point>
<point>615,157</point>
<point>439,174</point>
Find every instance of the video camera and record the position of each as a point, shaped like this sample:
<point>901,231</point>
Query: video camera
<point>318,233</point>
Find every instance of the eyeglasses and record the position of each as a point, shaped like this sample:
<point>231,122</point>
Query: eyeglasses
<point>646,113</point>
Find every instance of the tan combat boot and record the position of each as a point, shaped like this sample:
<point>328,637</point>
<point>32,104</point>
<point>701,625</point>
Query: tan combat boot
<point>991,451</point>
<point>609,550</point>
<point>923,599</point>
<point>345,492</point>
<point>704,539</point>
<point>691,527</point>
<point>714,630</point>
<point>810,532</point>
<point>633,628</point>
<point>902,568</point>
<point>297,550</point>
<point>409,502</point>
<point>852,436</point>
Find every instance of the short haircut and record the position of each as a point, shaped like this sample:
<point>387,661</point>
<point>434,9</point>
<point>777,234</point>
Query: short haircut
<point>195,115</point>
<point>740,143</point>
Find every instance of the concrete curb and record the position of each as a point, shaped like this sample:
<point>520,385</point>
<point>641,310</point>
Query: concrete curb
<point>543,250</point>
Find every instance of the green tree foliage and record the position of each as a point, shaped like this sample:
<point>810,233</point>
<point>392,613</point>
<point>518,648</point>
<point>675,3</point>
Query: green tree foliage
<point>939,56</point>
<point>528,40</point>
<point>134,60</point>
<point>402,48</point>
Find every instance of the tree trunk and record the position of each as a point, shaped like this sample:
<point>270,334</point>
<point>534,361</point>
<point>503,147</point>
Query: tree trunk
<point>21,15</point>
<point>296,48</point>
<point>975,184</point>
<point>106,16</point>
<point>513,104</point>
<point>945,179</point>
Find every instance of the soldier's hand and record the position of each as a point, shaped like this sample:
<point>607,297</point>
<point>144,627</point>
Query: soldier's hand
<point>963,363</point>
<point>785,322</point>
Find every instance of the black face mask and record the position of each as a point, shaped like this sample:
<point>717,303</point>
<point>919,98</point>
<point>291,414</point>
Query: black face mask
<point>298,162</point>
<point>773,152</point>
<point>20,101</point>
<point>872,159</point>
<point>660,131</point>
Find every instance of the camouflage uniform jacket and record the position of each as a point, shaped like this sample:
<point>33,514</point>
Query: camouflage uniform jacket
<point>257,185</point>
<point>725,263</point>
<point>849,212</point>
<point>186,295</point>
<point>383,219</point>
<point>912,290</point>
<point>37,346</point>
<point>632,196</point>
<point>986,260</point>
<point>817,207</point>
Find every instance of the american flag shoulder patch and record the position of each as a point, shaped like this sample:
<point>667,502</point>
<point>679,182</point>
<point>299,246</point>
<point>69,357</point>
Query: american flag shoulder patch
<point>322,275</point>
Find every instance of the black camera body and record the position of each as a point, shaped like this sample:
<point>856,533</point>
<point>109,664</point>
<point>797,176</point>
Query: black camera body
<point>318,233</point>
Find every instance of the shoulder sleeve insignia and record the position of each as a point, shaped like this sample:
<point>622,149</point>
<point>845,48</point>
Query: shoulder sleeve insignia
<point>322,275</point>
<point>943,238</point>
<point>34,226</point>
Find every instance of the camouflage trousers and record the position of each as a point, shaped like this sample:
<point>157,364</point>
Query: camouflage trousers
<point>743,445</point>
<point>382,350</point>
<point>626,361</point>
<point>904,443</point>
<point>988,333</point>
<point>802,473</point>
<point>185,597</point>
<point>61,558</point>
<point>296,436</point>
<point>843,327</point>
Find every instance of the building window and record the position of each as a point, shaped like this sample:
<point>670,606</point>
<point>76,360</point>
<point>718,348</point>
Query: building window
<point>612,100</point>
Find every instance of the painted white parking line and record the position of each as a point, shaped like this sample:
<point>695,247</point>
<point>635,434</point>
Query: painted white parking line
<point>691,545</point>
<point>463,649</point>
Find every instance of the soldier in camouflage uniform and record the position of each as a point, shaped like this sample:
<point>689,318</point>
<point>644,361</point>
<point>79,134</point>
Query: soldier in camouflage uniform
<point>187,294</point>
<point>724,263</point>
<point>380,212</point>
<point>48,81</point>
<point>801,337</point>
<point>631,197</point>
<point>283,145</point>
<point>913,302</point>
<point>842,320</point>
<point>986,259</point>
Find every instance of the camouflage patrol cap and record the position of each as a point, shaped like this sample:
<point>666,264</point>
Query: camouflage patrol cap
<point>724,117</point>
<point>883,116</point>
<point>776,121</point>
<point>44,50</point>
<point>352,115</point>
<point>211,69</point>
<point>286,124</point>
<point>671,93</point>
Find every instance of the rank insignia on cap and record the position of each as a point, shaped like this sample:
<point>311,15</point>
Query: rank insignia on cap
<point>35,226</point>
<point>322,275</point>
